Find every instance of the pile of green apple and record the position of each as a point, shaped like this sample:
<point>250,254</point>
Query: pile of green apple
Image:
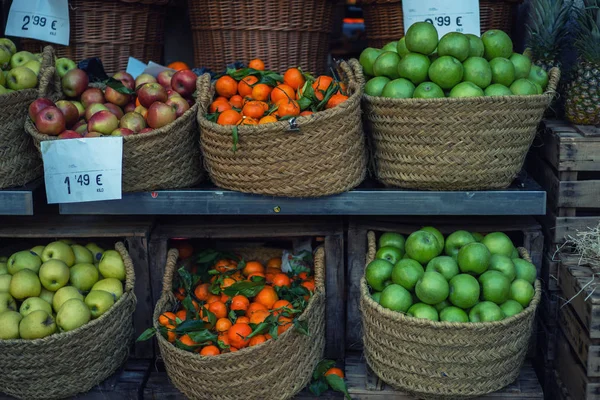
<point>21,70</point>
<point>57,288</point>
<point>464,277</point>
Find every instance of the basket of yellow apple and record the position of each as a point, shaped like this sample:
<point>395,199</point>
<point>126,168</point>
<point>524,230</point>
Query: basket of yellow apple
<point>65,318</point>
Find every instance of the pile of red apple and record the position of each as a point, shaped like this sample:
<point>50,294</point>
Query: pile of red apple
<point>92,112</point>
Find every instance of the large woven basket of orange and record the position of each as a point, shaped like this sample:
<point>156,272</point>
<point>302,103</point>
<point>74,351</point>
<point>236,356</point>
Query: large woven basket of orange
<point>234,336</point>
<point>290,135</point>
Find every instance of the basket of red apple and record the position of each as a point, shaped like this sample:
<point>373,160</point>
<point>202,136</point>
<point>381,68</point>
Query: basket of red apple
<point>65,318</point>
<point>155,116</point>
<point>24,78</point>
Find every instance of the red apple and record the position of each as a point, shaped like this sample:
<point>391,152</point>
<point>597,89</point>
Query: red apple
<point>122,132</point>
<point>92,96</point>
<point>75,82</point>
<point>70,135</point>
<point>114,97</point>
<point>93,109</point>
<point>80,108</point>
<point>78,125</point>
<point>126,79</point>
<point>172,93</point>
<point>146,130</point>
<point>70,112</point>
<point>164,78</point>
<point>143,79</point>
<point>143,111</point>
<point>93,134</point>
<point>133,121</point>
<point>50,121</point>
<point>114,109</point>
<point>129,107</point>
<point>181,105</point>
<point>190,101</point>
<point>184,82</point>
<point>104,122</point>
<point>150,93</point>
<point>38,105</point>
<point>160,114</point>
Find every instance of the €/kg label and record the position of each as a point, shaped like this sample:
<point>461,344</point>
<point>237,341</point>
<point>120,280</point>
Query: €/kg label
<point>447,16</point>
<point>46,20</point>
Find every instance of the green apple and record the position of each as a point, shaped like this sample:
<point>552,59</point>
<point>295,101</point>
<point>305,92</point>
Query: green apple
<point>21,78</point>
<point>47,295</point>
<point>495,286</point>
<point>393,240</point>
<point>407,273</point>
<point>64,294</point>
<point>498,243</point>
<point>474,258</point>
<point>37,325</point>
<point>486,311</point>
<point>503,264</point>
<point>515,253</point>
<point>59,251</point>
<point>99,302</point>
<point>19,59</point>
<point>64,65</point>
<point>82,254</point>
<point>3,265</point>
<point>388,253</point>
<point>511,307</point>
<point>34,303</point>
<point>445,265</point>
<point>456,240</point>
<point>96,250</point>
<point>396,298</point>
<point>33,65</point>
<point>84,276</point>
<point>25,283</point>
<point>4,56</point>
<point>522,291</point>
<point>112,266</point>
<point>453,314</point>
<point>432,288</point>
<point>111,285</point>
<point>7,302</point>
<point>9,44</point>
<point>423,311</point>
<point>440,306</point>
<point>73,314</point>
<point>464,291</point>
<point>377,274</point>
<point>9,325</point>
<point>477,236</point>
<point>438,235</point>
<point>38,251</point>
<point>67,241</point>
<point>54,274</point>
<point>525,270</point>
<point>5,282</point>
<point>25,259</point>
<point>376,296</point>
<point>422,246</point>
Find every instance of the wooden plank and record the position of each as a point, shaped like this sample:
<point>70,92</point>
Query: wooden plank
<point>548,310</point>
<point>357,250</point>
<point>585,301</point>
<point>569,226</point>
<point>545,175</point>
<point>579,194</point>
<point>336,297</point>
<point>572,374</point>
<point>588,130</point>
<point>567,150</point>
<point>586,349</point>
<point>550,272</point>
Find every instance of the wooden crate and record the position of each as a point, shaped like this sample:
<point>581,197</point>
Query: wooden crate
<point>233,228</point>
<point>545,341</point>
<point>526,227</point>
<point>586,349</point>
<point>572,374</point>
<point>133,231</point>
<point>364,384</point>
<point>550,273</point>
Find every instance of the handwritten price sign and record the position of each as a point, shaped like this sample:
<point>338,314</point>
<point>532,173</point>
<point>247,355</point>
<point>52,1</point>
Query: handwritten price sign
<point>46,20</point>
<point>446,16</point>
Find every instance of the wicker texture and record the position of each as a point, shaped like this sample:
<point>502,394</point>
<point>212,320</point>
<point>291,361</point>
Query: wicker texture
<point>64,364</point>
<point>325,156</point>
<point>113,30</point>
<point>19,161</point>
<point>276,369</point>
<point>282,33</point>
<point>165,158</point>
<point>453,143</point>
<point>384,19</point>
<point>443,360</point>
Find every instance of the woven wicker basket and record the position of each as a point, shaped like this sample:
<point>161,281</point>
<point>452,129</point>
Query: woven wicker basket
<point>384,19</point>
<point>166,158</point>
<point>64,364</point>
<point>113,30</point>
<point>325,156</point>
<point>453,143</point>
<point>276,369</point>
<point>283,34</point>
<point>444,360</point>
<point>19,161</point>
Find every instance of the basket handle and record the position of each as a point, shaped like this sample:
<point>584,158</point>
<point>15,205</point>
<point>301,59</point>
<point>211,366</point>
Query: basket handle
<point>554,78</point>
<point>357,71</point>
<point>319,266</point>
<point>129,271</point>
<point>203,88</point>
<point>171,266</point>
<point>48,70</point>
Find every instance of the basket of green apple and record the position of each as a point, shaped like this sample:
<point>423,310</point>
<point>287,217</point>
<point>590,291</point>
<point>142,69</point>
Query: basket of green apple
<point>447,317</point>
<point>24,78</point>
<point>65,318</point>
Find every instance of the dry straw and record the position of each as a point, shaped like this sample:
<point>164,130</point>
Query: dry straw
<point>276,369</point>
<point>444,360</point>
<point>64,364</point>
<point>453,143</point>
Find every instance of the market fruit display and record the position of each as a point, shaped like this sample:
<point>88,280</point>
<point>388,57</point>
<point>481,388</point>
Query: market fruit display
<point>463,277</point>
<point>116,110</point>
<point>422,65</point>
<point>57,288</point>
<point>253,96</point>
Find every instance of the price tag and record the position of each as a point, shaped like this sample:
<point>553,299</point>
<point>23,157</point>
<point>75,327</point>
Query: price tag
<point>46,20</point>
<point>446,16</point>
<point>78,170</point>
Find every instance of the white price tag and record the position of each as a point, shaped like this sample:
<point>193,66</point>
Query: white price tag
<point>46,20</point>
<point>78,170</point>
<point>446,16</point>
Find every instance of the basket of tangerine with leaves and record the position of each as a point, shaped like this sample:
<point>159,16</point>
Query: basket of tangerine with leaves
<point>226,314</point>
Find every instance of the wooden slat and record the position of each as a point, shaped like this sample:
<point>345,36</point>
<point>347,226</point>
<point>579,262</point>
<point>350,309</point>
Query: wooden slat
<point>550,272</point>
<point>588,130</point>
<point>357,250</point>
<point>586,302</point>
<point>567,150</point>
<point>580,194</point>
<point>572,374</point>
<point>336,297</point>
<point>586,349</point>
<point>568,226</point>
